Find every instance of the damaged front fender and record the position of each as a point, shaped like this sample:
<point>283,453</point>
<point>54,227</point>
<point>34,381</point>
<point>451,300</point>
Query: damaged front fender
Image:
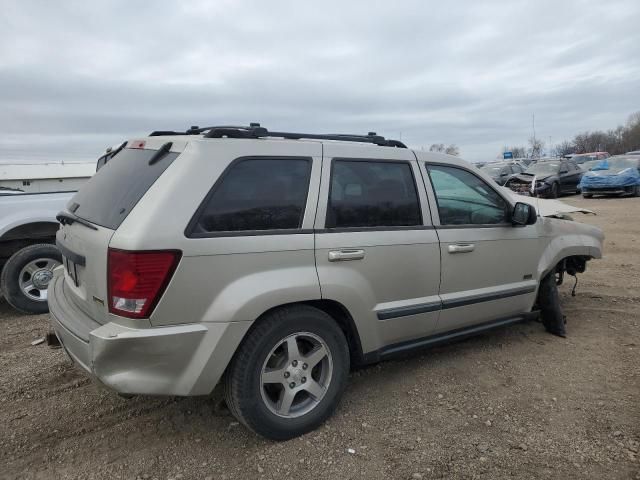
<point>568,239</point>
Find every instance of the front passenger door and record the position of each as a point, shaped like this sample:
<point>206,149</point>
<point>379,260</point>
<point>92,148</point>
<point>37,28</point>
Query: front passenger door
<point>489,267</point>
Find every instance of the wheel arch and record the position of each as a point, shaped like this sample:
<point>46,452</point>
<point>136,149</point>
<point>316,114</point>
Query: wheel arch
<point>338,312</point>
<point>18,236</point>
<point>30,231</point>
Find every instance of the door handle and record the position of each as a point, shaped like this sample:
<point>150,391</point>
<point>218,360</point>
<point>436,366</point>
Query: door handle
<point>342,255</point>
<point>461,248</point>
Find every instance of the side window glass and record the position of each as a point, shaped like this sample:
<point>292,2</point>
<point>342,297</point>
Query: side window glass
<point>258,194</point>
<point>464,199</point>
<point>372,194</point>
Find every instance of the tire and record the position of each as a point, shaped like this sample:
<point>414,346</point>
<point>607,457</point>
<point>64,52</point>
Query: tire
<point>550,308</point>
<point>261,408</point>
<point>587,195</point>
<point>636,191</point>
<point>555,190</point>
<point>33,266</point>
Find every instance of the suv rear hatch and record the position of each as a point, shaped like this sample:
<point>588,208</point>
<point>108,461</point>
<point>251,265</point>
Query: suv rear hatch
<point>95,213</point>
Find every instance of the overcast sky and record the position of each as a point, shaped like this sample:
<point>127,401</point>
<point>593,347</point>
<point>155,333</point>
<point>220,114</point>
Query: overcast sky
<point>76,77</point>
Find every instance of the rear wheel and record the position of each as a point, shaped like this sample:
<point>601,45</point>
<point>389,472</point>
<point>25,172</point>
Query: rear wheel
<point>289,373</point>
<point>549,303</point>
<point>587,195</point>
<point>26,276</point>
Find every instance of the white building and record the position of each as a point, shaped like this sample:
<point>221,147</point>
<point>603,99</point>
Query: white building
<point>45,177</point>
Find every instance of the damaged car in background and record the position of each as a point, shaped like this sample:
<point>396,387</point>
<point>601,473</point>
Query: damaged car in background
<point>619,175</point>
<point>547,178</point>
<point>291,258</point>
<point>502,172</point>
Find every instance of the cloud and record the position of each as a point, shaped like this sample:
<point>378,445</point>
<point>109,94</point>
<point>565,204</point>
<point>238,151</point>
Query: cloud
<point>78,76</point>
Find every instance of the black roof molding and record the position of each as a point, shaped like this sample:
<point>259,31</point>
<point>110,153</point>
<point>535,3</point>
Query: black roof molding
<point>254,130</point>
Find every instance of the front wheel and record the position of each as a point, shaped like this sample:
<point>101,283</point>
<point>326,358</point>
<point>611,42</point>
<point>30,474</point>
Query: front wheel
<point>26,276</point>
<point>289,373</point>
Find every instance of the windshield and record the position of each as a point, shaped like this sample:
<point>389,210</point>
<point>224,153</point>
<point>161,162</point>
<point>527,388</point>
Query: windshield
<point>615,165</point>
<point>543,168</point>
<point>492,170</point>
<point>584,158</point>
<point>590,164</point>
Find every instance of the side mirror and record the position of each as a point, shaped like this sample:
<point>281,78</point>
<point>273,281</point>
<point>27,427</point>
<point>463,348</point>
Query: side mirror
<point>523,214</point>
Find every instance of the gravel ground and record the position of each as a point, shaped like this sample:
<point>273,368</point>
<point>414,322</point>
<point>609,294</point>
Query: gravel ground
<point>514,403</point>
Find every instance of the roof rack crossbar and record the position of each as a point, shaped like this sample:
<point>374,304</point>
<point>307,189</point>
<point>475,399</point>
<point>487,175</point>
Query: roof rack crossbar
<point>261,132</point>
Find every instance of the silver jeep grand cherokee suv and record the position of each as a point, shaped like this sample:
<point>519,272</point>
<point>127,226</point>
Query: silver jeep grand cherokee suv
<point>274,261</point>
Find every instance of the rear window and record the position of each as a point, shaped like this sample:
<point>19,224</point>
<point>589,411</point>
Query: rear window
<point>110,195</point>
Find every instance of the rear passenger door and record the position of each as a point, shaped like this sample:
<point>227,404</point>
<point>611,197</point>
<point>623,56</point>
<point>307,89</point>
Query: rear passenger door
<point>376,250</point>
<point>489,267</point>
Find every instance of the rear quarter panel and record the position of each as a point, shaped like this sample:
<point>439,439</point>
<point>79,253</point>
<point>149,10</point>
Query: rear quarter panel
<point>227,278</point>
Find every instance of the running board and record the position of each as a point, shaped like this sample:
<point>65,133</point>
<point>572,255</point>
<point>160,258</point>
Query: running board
<point>402,348</point>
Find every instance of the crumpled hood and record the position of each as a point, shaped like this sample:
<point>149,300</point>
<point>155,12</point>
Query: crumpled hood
<point>529,178</point>
<point>547,207</point>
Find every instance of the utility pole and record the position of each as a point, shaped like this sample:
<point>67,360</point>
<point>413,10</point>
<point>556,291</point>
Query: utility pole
<point>533,124</point>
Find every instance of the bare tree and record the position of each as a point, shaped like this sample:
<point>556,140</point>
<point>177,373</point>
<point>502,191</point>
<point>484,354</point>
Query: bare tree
<point>564,148</point>
<point>452,150</point>
<point>535,147</point>
<point>631,135</point>
<point>518,152</point>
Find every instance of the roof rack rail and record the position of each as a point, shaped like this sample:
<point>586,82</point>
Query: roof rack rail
<point>254,130</point>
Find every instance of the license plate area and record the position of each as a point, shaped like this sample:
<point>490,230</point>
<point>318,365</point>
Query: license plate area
<point>71,261</point>
<point>72,270</point>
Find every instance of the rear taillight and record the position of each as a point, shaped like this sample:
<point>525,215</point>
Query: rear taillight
<point>136,280</point>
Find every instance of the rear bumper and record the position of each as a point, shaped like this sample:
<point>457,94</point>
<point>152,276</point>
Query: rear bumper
<point>187,359</point>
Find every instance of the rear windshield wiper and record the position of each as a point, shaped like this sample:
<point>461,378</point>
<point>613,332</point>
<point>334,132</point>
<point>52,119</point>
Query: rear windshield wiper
<point>66,218</point>
<point>162,151</point>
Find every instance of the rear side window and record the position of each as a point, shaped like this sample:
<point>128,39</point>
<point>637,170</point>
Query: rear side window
<point>256,194</point>
<point>110,195</point>
<point>372,194</point>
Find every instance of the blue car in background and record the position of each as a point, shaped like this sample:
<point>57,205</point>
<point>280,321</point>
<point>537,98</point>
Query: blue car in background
<point>619,175</point>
